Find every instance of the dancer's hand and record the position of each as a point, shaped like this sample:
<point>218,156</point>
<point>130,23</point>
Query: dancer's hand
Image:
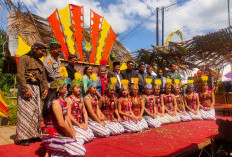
<point>45,93</point>
<point>102,123</point>
<point>153,116</point>
<point>27,95</point>
<point>119,120</point>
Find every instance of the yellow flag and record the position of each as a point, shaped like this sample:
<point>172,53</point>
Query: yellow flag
<point>23,48</point>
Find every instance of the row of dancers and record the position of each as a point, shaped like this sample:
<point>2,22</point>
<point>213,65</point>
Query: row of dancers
<point>72,121</point>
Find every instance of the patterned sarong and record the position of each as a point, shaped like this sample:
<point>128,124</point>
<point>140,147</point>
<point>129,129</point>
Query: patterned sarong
<point>28,114</point>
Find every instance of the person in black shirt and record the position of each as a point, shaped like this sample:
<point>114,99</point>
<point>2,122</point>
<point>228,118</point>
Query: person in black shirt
<point>129,73</point>
<point>141,76</point>
<point>72,61</point>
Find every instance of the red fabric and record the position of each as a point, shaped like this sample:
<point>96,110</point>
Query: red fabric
<point>109,44</point>
<point>4,109</point>
<point>16,60</point>
<point>104,81</point>
<point>56,27</point>
<point>77,16</point>
<point>94,34</point>
<point>167,140</point>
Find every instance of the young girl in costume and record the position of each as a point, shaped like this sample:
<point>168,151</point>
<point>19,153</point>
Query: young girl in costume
<point>207,101</point>
<point>180,102</point>
<point>124,107</point>
<point>108,106</point>
<point>160,111</point>
<point>58,135</point>
<point>138,105</point>
<point>150,108</point>
<point>77,111</point>
<point>169,101</point>
<point>191,100</point>
<point>96,118</point>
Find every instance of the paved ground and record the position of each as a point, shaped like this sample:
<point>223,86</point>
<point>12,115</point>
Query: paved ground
<point>7,134</point>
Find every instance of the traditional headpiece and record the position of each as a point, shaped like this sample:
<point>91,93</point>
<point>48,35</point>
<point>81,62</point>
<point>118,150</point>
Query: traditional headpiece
<point>176,83</point>
<point>124,84</point>
<point>103,62</point>
<point>54,44</point>
<point>63,80</point>
<point>148,83</point>
<point>204,80</point>
<point>112,83</point>
<point>135,82</point>
<point>190,83</point>
<point>157,83</point>
<point>94,81</point>
<point>168,83</point>
<point>76,81</point>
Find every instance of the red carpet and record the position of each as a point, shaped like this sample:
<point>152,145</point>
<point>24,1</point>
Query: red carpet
<point>165,141</point>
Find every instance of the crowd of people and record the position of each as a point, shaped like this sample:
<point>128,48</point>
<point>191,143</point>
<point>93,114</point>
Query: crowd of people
<point>79,108</point>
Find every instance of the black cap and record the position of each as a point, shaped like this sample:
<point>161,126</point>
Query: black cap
<point>71,56</point>
<point>116,63</point>
<point>38,46</point>
<point>130,61</point>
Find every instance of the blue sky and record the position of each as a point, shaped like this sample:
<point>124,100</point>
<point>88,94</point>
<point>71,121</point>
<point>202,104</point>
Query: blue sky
<point>192,17</point>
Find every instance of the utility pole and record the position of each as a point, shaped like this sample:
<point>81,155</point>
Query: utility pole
<point>157,26</point>
<point>162,26</point>
<point>229,26</point>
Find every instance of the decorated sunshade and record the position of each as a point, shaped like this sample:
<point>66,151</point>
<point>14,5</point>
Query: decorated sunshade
<point>68,27</point>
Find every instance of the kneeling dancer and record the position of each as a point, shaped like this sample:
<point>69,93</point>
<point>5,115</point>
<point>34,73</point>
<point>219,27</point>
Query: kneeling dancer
<point>96,119</point>
<point>180,102</point>
<point>108,105</point>
<point>138,105</point>
<point>77,111</point>
<point>124,108</point>
<point>207,101</point>
<point>150,108</point>
<point>192,102</point>
<point>160,111</point>
<point>170,103</point>
<point>58,134</point>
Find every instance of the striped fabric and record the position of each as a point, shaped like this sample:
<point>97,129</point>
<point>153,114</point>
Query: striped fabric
<point>28,114</point>
<point>174,119</point>
<point>195,117</point>
<point>84,135</point>
<point>70,149</point>
<point>130,126</point>
<point>114,127</point>
<point>142,125</point>
<point>98,129</point>
<point>184,117</point>
<point>207,115</point>
<point>153,122</point>
<point>164,119</point>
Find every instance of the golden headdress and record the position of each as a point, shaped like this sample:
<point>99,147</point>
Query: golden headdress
<point>148,83</point>
<point>135,82</point>
<point>204,80</point>
<point>112,83</point>
<point>190,83</point>
<point>124,84</point>
<point>168,83</point>
<point>176,83</point>
<point>77,80</point>
<point>157,83</point>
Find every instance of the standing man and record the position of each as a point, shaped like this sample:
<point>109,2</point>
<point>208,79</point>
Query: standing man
<point>129,73</point>
<point>159,74</point>
<point>52,65</point>
<point>32,81</point>
<point>149,75</point>
<point>71,69</point>
<point>72,61</point>
<point>115,73</point>
<point>141,76</point>
<point>173,74</point>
